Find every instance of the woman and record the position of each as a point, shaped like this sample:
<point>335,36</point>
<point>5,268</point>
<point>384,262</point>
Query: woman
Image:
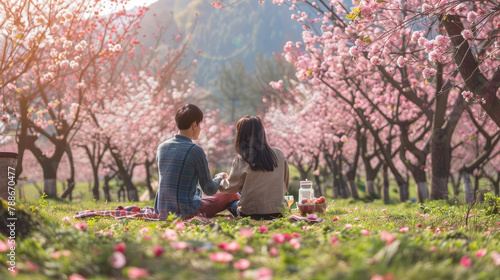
<point>259,172</point>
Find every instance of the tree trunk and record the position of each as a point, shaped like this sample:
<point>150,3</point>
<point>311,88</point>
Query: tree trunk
<point>71,179</point>
<point>422,187</point>
<point>69,190</point>
<point>370,188</point>
<point>95,189</point>
<point>50,178</point>
<point>385,193</point>
<point>354,189</point>
<point>468,190</point>
<point>344,193</point>
<point>148,164</point>
<point>318,185</point>
<point>105,188</point>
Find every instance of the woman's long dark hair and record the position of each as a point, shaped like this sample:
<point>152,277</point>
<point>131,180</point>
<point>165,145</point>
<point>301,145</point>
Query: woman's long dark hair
<point>251,144</point>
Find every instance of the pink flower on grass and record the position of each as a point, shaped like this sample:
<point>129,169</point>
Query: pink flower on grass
<point>295,243</point>
<point>263,228</point>
<point>296,234</point>
<point>496,257</point>
<point>433,249</point>
<point>223,257</point>
<point>387,237</point>
<point>66,220</point>
<point>334,240</point>
<point>348,226</point>
<point>169,234</point>
<point>118,260</point>
<point>3,246</point>
<point>75,276</point>
<point>481,253</point>
<point>336,219</point>
<point>231,246</point>
<point>181,245</point>
<point>273,251</point>
<point>31,266</point>
<point>356,219</point>
<point>242,264</point>
<point>158,250</point>
<point>377,277</point>
<point>248,250</point>
<point>365,232</point>
<point>135,272</point>
<point>180,226</point>
<point>306,227</point>
<point>419,225</point>
<point>143,230</point>
<point>279,238</point>
<point>81,226</point>
<point>466,262</point>
<point>120,247</point>
<point>384,210</point>
<point>264,273</point>
<point>247,232</point>
<point>404,229</point>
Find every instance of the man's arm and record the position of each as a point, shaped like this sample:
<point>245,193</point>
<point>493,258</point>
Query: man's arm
<point>209,186</point>
<point>235,181</point>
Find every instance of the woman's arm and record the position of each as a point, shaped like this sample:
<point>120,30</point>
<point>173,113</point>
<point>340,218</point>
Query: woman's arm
<point>236,179</point>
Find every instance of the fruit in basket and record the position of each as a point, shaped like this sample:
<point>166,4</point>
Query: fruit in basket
<point>319,200</point>
<point>307,208</point>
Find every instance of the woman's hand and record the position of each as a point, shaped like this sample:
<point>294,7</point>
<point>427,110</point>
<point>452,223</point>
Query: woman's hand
<point>223,174</point>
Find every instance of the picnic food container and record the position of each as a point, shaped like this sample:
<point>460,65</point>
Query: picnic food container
<point>306,208</point>
<point>306,190</point>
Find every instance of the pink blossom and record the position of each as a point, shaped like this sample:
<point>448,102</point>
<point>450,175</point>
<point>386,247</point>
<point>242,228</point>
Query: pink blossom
<point>288,46</point>
<point>354,51</point>
<point>264,273</point>
<point>180,245</point>
<point>467,95</point>
<point>295,243</point>
<point>31,266</point>
<point>375,60</point>
<point>466,262</point>
<point>356,219</point>
<point>471,16</point>
<point>66,219</point>
<point>316,172</point>
<point>248,250</point>
<point>158,250</point>
<point>296,234</point>
<point>223,257</point>
<point>135,272</point>
<point>401,61</point>
<point>427,73</point>
<point>348,226</point>
<point>481,253</point>
<point>242,264</point>
<point>496,257</point>
<point>336,219</point>
<point>169,234</point>
<point>143,230</point>
<point>273,251</point>
<point>387,237</point>
<point>306,227</point>
<point>279,238</point>
<point>247,232</point>
<point>384,210</point>
<point>82,226</point>
<point>120,247</point>
<point>263,228</point>
<point>117,260</point>
<point>217,5</point>
<point>334,240</point>
<point>433,249</point>
<point>404,229</point>
<point>365,232</point>
<point>75,276</point>
<point>467,34</point>
<point>180,226</point>
<point>419,225</point>
<point>377,277</point>
<point>426,7</point>
<point>231,246</point>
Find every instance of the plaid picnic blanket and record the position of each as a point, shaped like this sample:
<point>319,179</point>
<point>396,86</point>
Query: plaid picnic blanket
<point>311,219</point>
<point>146,213</point>
<point>134,212</point>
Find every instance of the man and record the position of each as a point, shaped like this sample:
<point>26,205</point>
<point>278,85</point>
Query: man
<point>181,164</point>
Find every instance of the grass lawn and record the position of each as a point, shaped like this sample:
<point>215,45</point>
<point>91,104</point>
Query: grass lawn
<point>356,241</point>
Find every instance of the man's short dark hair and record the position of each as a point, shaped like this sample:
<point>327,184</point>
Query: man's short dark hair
<point>188,114</point>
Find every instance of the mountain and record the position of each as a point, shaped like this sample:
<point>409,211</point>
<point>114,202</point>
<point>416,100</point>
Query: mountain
<point>240,31</point>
